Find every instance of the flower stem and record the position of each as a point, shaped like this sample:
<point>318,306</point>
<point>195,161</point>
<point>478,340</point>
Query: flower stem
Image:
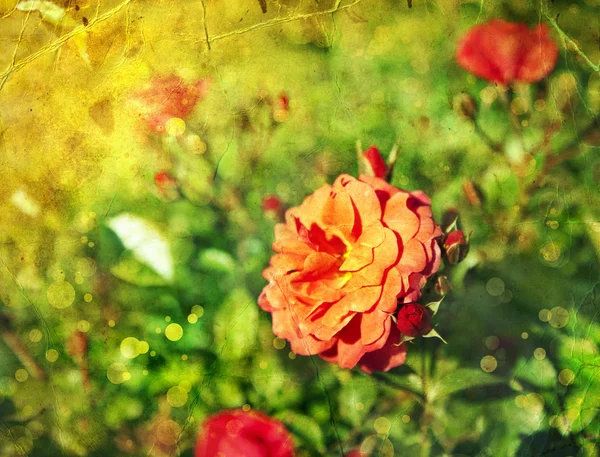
<point>425,362</point>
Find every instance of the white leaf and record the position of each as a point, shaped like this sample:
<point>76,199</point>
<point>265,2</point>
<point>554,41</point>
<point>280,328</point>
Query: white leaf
<point>145,242</point>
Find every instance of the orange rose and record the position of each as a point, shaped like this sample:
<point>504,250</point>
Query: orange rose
<point>344,259</point>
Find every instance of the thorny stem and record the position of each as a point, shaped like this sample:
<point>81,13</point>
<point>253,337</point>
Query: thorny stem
<point>425,442</point>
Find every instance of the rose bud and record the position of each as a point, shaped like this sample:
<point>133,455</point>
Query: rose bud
<point>472,194</point>
<point>442,285</point>
<point>414,320</point>
<point>281,108</point>
<point>166,185</point>
<point>372,164</point>
<point>236,433</point>
<point>272,205</point>
<point>464,105</point>
<point>456,246</point>
<point>503,52</point>
<point>77,345</point>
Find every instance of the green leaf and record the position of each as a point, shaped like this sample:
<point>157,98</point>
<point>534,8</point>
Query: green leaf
<point>434,334</point>
<point>236,325</point>
<point>356,398</point>
<point>130,270</point>
<point>540,373</point>
<point>461,379</point>
<point>434,306</point>
<point>306,431</point>
<point>216,260</point>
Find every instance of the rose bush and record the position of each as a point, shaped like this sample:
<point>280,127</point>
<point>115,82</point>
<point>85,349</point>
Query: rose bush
<point>344,260</point>
<point>239,433</point>
<point>502,52</point>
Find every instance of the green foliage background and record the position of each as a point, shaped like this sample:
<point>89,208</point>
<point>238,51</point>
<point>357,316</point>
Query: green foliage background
<point>76,156</point>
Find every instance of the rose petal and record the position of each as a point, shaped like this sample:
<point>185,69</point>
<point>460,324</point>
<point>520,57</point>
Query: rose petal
<point>386,358</point>
<point>400,218</point>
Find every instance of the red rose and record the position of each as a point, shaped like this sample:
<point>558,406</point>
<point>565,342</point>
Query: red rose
<point>238,433</point>
<point>344,258</point>
<point>376,165</point>
<point>502,52</point>
<point>414,320</point>
<point>168,97</point>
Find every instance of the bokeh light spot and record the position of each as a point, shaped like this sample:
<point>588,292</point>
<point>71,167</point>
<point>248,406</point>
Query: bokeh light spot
<point>488,363</point>
<point>545,315</point>
<point>174,332</point>
<point>143,347</point>
<point>52,355</point>
<point>198,310</point>
<point>492,342</point>
<point>175,126</point>
<point>278,343</point>
<point>566,377</point>
<point>382,425</point>
<point>130,347</point>
<point>117,373</point>
<point>177,396</point>
<point>83,326</point>
<point>61,294</point>
<point>35,335</point>
<point>559,317</point>
<point>21,375</point>
<point>495,287</point>
<point>86,266</point>
<point>186,385</point>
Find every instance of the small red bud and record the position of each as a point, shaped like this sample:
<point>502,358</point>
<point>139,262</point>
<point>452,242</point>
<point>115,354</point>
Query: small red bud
<point>166,185</point>
<point>271,204</point>
<point>373,163</point>
<point>164,179</point>
<point>455,246</point>
<point>414,320</point>
<point>472,193</point>
<point>77,345</point>
<point>442,285</point>
<point>454,237</point>
<point>281,108</point>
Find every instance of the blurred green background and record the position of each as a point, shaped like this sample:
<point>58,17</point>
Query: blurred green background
<point>128,312</point>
